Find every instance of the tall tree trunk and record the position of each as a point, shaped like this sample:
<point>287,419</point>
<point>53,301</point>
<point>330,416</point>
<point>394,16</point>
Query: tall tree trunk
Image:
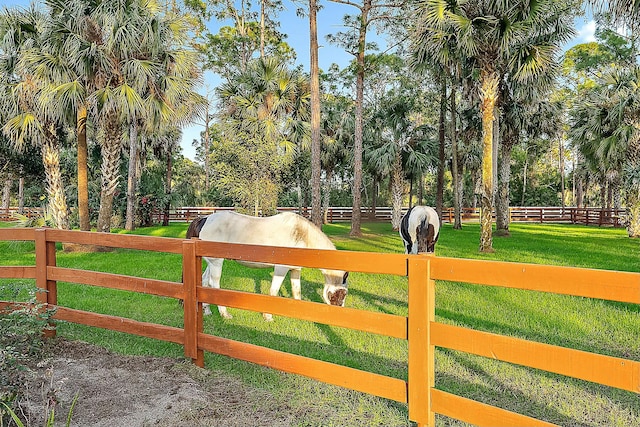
<point>132,178</point>
<point>410,192</point>
<point>167,189</point>
<point>489,90</point>
<point>262,26</point>
<point>206,145</point>
<point>301,204</point>
<point>617,196</point>
<point>441,142</point>
<point>457,193</point>
<point>327,196</point>
<point>633,213</point>
<point>524,178</point>
<point>21,195</point>
<point>83,175</point>
<point>357,149</point>
<point>502,201</point>
<point>316,200</point>
<point>6,192</point>
<point>561,167</point>
<point>460,191</point>
<point>110,171</point>
<point>374,197</point>
<point>579,192</point>
<point>397,187</point>
<point>55,186</point>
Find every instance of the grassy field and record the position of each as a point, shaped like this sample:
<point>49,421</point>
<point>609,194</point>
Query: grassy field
<point>591,325</point>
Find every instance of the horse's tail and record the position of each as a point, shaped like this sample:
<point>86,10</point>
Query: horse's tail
<point>194,231</point>
<point>425,223</point>
<point>195,227</point>
<point>404,230</point>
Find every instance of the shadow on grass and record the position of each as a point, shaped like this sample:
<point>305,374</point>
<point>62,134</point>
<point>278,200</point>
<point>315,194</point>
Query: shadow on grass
<point>509,395</point>
<point>336,350</point>
<point>378,301</point>
<point>499,393</point>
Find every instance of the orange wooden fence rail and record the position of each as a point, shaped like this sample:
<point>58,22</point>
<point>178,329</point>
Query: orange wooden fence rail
<point>421,330</point>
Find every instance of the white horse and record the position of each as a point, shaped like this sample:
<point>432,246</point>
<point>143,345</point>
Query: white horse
<point>286,229</point>
<point>420,229</point>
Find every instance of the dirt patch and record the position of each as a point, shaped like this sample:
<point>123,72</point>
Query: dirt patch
<point>115,390</point>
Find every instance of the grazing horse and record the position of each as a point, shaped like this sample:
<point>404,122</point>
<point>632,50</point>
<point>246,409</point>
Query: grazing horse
<point>286,229</point>
<point>420,229</point>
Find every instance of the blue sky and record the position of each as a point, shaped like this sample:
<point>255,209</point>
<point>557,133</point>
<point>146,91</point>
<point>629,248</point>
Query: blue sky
<point>297,29</point>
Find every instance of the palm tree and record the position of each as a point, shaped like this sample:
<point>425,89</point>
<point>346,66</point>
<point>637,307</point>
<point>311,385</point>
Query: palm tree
<point>68,88</point>
<point>519,37</point>
<point>337,136</point>
<point>626,112</point>
<point>623,10</point>
<point>316,162</point>
<point>97,38</point>
<point>526,111</point>
<point>396,137</point>
<point>390,128</point>
<point>607,129</point>
<point>265,117</point>
<point>30,116</point>
<point>168,93</point>
<point>123,56</point>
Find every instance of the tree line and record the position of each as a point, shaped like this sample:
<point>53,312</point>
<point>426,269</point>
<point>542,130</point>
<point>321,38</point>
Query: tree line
<point>470,103</point>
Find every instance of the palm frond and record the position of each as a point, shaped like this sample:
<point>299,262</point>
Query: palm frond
<point>23,128</point>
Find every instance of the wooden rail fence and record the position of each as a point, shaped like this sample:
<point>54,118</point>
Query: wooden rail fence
<point>419,327</point>
<point>568,215</point>
<point>8,214</point>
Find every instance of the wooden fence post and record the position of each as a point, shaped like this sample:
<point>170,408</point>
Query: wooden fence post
<point>421,352</point>
<point>191,278</point>
<point>45,257</point>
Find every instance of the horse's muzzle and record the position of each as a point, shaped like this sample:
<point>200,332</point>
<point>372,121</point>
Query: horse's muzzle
<point>336,296</point>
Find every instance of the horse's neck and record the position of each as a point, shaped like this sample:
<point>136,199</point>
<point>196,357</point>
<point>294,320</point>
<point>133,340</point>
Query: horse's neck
<point>316,239</point>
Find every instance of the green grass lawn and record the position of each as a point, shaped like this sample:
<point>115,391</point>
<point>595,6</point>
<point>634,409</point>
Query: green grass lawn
<point>591,325</point>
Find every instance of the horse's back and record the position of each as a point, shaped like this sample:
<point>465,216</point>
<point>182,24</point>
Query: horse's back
<point>285,229</point>
<point>426,214</point>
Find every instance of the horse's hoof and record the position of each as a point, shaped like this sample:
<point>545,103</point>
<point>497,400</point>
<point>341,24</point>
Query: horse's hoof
<point>227,316</point>
<point>268,317</point>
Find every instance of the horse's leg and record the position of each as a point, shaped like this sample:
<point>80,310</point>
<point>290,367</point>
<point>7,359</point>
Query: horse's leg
<point>279,273</point>
<point>295,283</point>
<point>205,282</point>
<point>213,274</point>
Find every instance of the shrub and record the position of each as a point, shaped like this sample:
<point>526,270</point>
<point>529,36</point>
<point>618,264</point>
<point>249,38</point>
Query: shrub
<point>21,343</point>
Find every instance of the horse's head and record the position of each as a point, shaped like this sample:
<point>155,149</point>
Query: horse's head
<point>335,287</point>
<point>427,236</point>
